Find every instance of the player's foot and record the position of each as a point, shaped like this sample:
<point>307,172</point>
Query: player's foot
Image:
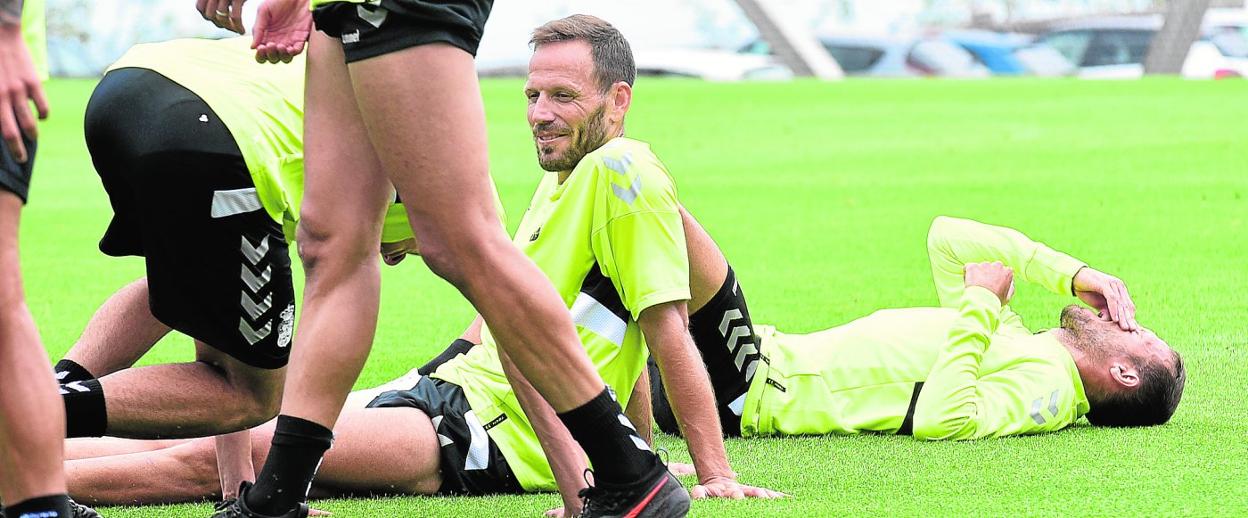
<point>82,511</point>
<point>237,508</point>
<point>658,495</point>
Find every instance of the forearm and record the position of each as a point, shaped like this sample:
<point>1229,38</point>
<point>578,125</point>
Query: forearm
<point>666,328</point>
<point>949,402</point>
<point>954,242</point>
<point>10,14</point>
<point>639,411</point>
<point>234,461</point>
<point>567,461</point>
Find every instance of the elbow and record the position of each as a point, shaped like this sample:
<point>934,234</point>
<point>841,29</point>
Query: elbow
<point>948,427</point>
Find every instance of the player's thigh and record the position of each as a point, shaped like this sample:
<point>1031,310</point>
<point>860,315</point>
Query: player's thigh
<point>262,384</point>
<point>345,191</point>
<point>10,275</point>
<point>382,450</point>
<point>422,106</point>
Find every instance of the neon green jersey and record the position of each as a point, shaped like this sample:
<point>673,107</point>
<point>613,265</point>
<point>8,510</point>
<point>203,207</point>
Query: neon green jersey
<point>610,239</point>
<point>35,32</point>
<point>966,370</point>
<point>261,104</point>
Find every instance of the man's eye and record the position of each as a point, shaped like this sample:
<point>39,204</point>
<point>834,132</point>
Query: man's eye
<point>563,96</point>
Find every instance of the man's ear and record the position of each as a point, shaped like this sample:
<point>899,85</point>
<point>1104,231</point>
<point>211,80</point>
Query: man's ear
<point>621,99</point>
<point>1124,374</point>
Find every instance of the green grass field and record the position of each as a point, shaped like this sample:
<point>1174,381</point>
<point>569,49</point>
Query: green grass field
<point>820,195</point>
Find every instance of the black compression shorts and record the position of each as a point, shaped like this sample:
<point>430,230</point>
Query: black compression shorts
<point>471,463</point>
<point>372,30</point>
<point>15,177</point>
<point>218,267</point>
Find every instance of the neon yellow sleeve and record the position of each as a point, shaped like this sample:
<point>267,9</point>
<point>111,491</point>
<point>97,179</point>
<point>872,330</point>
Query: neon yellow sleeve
<point>954,242</point>
<point>640,244</point>
<point>957,401</point>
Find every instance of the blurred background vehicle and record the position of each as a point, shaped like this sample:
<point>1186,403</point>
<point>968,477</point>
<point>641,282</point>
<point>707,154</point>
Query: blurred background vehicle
<point>883,56</point>
<point>1011,54</point>
<point>1115,47</point>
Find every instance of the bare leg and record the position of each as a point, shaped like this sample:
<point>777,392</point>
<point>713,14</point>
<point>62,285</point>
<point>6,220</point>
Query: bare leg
<point>340,225</point>
<point>119,333</point>
<point>91,447</point>
<point>32,422</point>
<point>214,395</point>
<point>432,146</point>
<point>376,450</point>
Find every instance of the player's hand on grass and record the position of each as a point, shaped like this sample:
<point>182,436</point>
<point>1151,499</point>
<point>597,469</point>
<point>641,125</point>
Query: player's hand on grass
<point>995,277</point>
<point>724,487</point>
<point>281,30</point>
<point>318,512</point>
<point>1106,294</point>
<point>681,469</point>
<point>19,84</point>
<point>226,14</point>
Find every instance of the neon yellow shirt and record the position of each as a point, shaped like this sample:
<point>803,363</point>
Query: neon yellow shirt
<point>976,370</point>
<point>35,32</point>
<point>261,104</point>
<point>610,239</point>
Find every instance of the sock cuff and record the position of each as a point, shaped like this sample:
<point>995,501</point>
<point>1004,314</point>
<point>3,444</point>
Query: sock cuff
<point>295,431</point>
<point>51,506</point>
<point>601,404</point>
<point>68,371</point>
<point>86,414</point>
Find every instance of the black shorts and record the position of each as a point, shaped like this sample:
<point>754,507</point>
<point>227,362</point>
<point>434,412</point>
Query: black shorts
<point>218,267</point>
<point>368,30</point>
<point>471,462</point>
<point>725,336</point>
<point>15,177</point>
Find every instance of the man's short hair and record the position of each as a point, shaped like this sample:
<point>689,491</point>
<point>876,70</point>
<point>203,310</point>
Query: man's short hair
<point>613,58</point>
<point>1151,403</point>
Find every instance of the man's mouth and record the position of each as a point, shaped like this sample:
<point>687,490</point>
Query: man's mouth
<point>547,138</point>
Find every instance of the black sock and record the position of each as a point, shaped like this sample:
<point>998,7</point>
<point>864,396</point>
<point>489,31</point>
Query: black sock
<point>85,413</point>
<point>68,371</point>
<point>55,506</point>
<point>298,446</point>
<point>618,453</point>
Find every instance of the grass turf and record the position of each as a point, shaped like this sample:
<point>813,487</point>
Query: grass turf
<point>820,194</point>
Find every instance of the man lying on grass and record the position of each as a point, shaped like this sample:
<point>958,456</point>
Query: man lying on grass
<point>970,368</point>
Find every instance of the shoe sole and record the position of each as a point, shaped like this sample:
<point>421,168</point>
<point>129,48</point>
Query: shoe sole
<point>673,504</point>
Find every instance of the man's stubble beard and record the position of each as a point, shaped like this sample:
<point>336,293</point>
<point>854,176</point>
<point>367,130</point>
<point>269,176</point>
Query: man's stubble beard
<point>585,139</point>
<point>1088,338</point>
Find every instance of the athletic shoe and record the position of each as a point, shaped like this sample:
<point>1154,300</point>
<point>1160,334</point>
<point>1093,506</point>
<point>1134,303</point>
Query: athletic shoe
<point>237,508</point>
<point>82,511</point>
<point>658,495</point>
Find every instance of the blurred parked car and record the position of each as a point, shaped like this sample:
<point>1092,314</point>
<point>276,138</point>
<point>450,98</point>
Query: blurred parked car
<point>1115,48</point>
<point>1008,54</point>
<point>712,65</point>
<point>894,57</point>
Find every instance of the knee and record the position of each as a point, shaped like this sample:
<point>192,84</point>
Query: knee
<point>454,254</point>
<point>322,244</point>
<point>444,261</point>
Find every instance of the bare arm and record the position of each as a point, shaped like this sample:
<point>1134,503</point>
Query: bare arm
<point>639,411</point>
<point>666,328</point>
<point>567,461</point>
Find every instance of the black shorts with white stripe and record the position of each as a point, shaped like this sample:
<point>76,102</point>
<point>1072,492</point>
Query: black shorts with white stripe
<point>376,28</point>
<point>218,267</point>
<point>471,463</point>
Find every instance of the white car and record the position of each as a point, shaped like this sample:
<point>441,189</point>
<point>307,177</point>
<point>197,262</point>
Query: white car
<point>1115,48</point>
<point>711,65</point>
